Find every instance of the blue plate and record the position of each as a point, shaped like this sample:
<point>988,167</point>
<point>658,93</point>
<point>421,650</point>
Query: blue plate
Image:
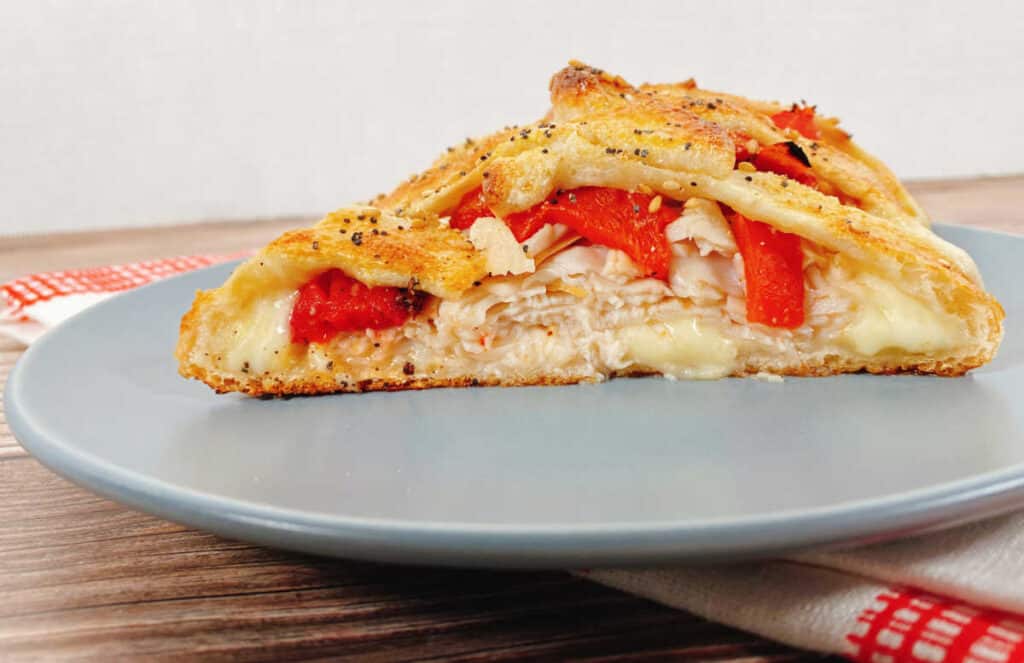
<point>634,471</point>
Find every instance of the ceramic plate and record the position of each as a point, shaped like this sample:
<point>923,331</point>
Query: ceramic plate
<point>633,471</point>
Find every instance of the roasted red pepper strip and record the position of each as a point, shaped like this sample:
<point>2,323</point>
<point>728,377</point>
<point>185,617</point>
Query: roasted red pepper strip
<point>611,217</point>
<point>773,271</point>
<point>785,159</point>
<point>332,303</point>
<point>800,118</point>
<point>470,208</point>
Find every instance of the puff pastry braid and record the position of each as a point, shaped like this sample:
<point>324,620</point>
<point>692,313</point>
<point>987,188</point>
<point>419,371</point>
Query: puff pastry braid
<point>632,230</point>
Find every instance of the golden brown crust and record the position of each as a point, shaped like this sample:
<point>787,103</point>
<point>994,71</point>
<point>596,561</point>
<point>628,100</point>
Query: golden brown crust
<point>675,139</point>
<point>325,384</point>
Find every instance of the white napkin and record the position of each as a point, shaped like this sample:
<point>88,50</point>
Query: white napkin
<point>945,597</point>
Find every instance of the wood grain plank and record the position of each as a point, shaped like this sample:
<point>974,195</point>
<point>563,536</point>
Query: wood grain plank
<point>83,577</point>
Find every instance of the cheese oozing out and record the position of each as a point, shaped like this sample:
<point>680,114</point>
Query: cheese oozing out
<point>886,318</point>
<point>683,347</point>
<point>263,342</point>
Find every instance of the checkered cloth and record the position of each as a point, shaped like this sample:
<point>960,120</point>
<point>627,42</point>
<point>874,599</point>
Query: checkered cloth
<point>951,597</point>
<point>34,303</point>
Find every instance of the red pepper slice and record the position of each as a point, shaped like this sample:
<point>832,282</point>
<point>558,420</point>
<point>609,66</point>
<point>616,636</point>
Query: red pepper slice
<point>611,217</point>
<point>800,118</point>
<point>773,271</point>
<point>469,209</point>
<point>785,159</point>
<point>333,302</point>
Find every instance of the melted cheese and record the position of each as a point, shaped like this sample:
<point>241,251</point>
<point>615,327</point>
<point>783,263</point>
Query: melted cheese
<point>887,318</point>
<point>263,342</point>
<point>681,348</point>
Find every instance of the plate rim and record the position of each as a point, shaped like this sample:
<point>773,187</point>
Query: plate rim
<point>548,545</point>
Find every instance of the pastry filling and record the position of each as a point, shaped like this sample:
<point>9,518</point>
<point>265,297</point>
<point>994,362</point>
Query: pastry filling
<point>569,307</point>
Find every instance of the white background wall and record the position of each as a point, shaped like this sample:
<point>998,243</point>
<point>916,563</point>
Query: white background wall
<point>133,113</point>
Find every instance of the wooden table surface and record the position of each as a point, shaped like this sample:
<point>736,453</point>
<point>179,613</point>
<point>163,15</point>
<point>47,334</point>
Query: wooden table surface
<point>83,577</point>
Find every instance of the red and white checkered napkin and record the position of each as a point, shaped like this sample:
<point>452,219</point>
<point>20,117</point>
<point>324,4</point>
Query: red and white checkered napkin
<point>951,596</point>
<point>32,304</point>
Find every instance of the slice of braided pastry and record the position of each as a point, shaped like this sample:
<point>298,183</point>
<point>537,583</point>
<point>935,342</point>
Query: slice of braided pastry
<point>632,230</point>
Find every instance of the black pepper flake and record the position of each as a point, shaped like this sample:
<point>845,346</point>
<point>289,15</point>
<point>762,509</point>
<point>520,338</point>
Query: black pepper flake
<point>373,219</point>
<point>687,146</point>
<point>476,284</point>
<point>245,367</point>
<point>785,183</point>
<point>637,151</point>
<point>384,233</point>
<point>693,184</point>
<point>375,231</point>
<point>609,150</point>
<point>483,157</point>
<point>376,345</point>
<point>316,246</point>
<point>357,238</point>
<point>572,197</point>
<point>711,106</point>
<point>474,383</point>
<point>486,174</point>
<point>401,227</point>
<point>330,365</point>
<point>526,248</point>
<point>361,217</point>
<point>643,154</point>
<point>341,230</point>
<point>409,368</point>
<point>462,173</point>
<point>797,152</point>
<point>511,139</point>
<point>544,151</point>
<point>749,178</point>
<point>636,208</point>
